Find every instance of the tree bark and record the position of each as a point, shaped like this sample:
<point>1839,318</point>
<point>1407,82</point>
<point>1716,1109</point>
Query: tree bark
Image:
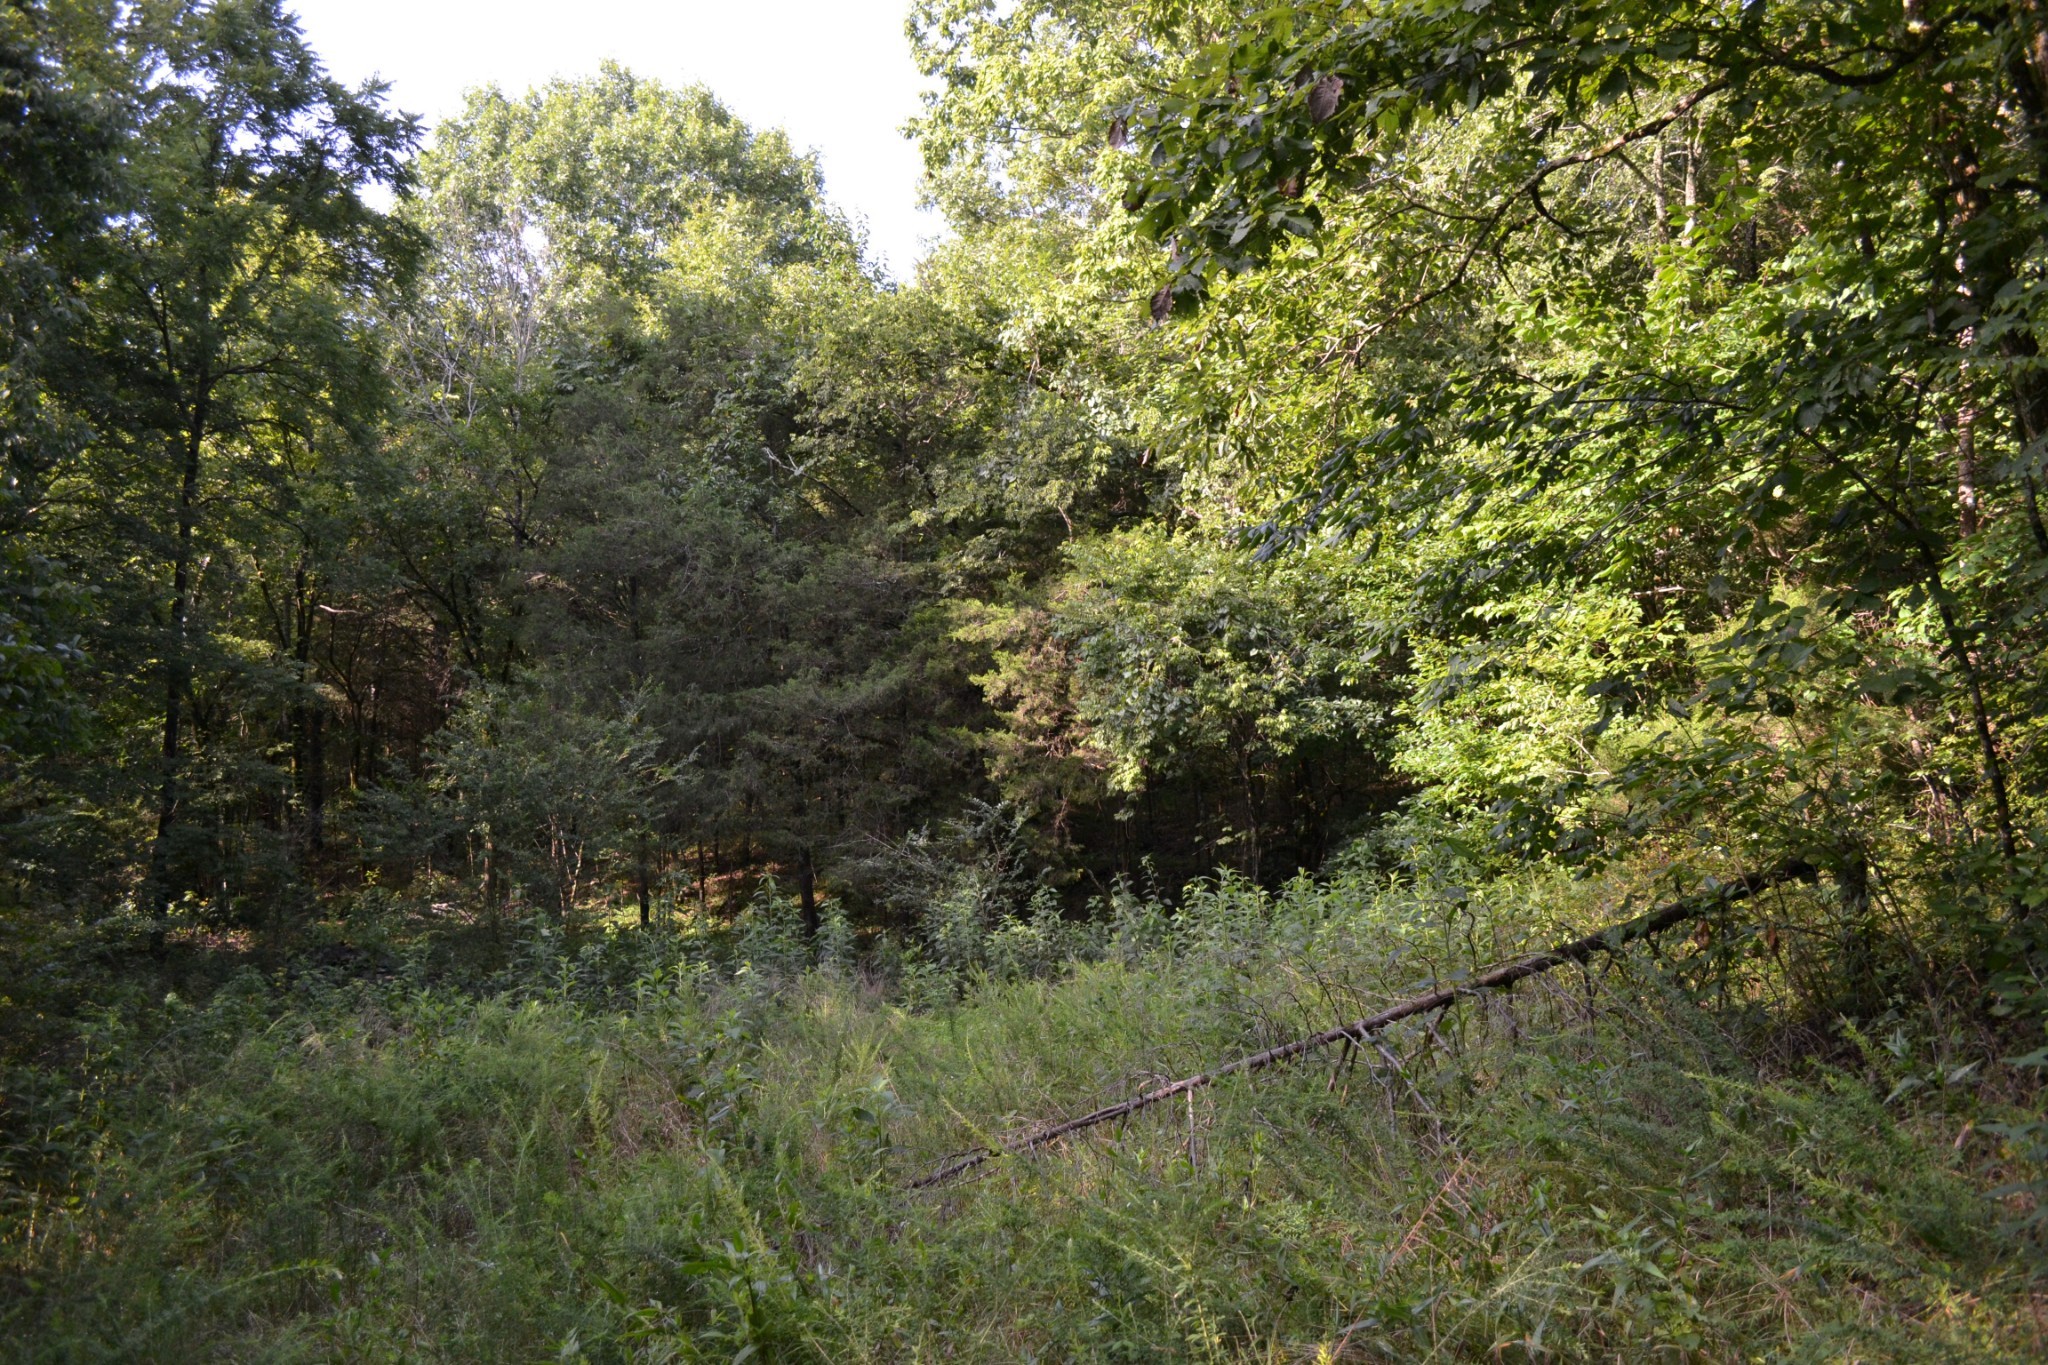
<point>2034,521</point>
<point>807,892</point>
<point>1931,552</point>
<point>1852,877</point>
<point>1659,196</point>
<point>640,879</point>
<point>177,670</point>
<point>1987,742</point>
<point>308,728</point>
<point>1968,517</point>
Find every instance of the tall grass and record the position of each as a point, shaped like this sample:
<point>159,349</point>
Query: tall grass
<point>674,1149</point>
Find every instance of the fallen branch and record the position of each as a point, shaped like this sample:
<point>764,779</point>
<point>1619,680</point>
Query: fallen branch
<point>1609,940</point>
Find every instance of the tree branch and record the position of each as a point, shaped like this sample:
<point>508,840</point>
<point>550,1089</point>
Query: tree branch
<point>1609,940</point>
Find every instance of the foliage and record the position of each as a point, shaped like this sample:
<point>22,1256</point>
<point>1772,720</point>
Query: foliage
<point>636,1160</point>
<point>548,790</point>
<point>1614,278</point>
<point>561,738</point>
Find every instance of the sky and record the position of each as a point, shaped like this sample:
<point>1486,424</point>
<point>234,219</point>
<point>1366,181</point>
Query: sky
<point>836,74</point>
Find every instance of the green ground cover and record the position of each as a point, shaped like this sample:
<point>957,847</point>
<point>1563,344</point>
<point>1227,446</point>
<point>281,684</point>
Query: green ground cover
<point>697,1149</point>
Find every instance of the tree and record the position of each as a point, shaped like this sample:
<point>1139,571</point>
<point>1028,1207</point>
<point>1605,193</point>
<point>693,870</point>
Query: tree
<point>57,168</point>
<point>226,334</point>
<point>546,790</point>
<point>1230,709</point>
<point>1745,274</point>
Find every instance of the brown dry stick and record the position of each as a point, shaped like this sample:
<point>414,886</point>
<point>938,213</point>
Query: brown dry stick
<point>1611,939</point>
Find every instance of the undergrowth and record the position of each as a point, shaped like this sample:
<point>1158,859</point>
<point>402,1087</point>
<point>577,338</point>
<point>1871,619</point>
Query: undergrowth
<point>696,1148</point>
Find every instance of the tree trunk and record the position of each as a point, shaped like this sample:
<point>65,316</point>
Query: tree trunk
<point>309,758</point>
<point>640,879</point>
<point>2034,516</point>
<point>807,892</point>
<point>1852,879</point>
<point>1967,512</point>
<point>1692,176</point>
<point>1658,194</point>
<point>177,674</point>
<point>316,780</point>
<point>1987,742</point>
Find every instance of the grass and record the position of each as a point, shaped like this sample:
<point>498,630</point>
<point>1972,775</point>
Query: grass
<point>655,1157</point>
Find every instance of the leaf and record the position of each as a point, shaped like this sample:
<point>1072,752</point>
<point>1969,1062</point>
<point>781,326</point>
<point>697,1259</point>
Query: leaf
<point>1323,98</point>
<point>1162,304</point>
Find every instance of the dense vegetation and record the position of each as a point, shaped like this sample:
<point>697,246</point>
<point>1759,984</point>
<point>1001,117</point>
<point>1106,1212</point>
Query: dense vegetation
<point>563,738</point>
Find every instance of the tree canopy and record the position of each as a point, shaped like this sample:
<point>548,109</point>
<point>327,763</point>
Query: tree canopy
<point>1570,425</point>
<point>566,742</point>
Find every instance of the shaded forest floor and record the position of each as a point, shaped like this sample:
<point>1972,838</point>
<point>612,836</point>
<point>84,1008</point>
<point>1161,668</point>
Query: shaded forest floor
<point>650,1147</point>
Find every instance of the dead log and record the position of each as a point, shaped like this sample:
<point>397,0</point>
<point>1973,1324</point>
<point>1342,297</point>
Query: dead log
<point>1609,940</point>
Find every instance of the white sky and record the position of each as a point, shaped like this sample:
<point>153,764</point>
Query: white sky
<point>836,74</point>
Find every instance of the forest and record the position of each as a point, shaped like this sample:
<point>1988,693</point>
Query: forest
<point>1393,710</point>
